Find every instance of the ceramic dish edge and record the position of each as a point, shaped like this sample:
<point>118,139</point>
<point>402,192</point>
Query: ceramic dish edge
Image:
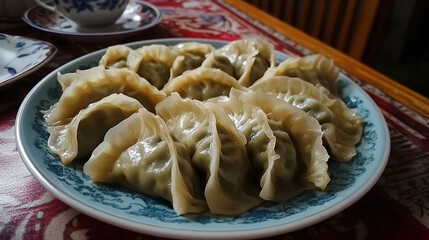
<point>50,54</point>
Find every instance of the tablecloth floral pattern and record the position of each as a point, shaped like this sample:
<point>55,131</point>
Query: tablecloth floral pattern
<point>396,208</point>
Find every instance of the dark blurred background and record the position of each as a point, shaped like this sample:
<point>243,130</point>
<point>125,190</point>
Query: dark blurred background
<point>401,48</point>
<point>390,36</point>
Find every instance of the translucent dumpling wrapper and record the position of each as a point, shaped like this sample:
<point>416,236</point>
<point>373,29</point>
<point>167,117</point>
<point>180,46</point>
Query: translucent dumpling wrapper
<point>315,69</point>
<point>269,148</point>
<point>97,83</point>
<point>115,57</point>
<point>340,135</point>
<point>342,127</point>
<point>219,61</point>
<point>153,62</point>
<point>86,130</point>
<point>217,151</point>
<point>66,79</point>
<point>304,130</point>
<point>202,84</point>
<point>140,154</point>
<point>250,58</point>
<point>191,56</point>
<point>200,49</point>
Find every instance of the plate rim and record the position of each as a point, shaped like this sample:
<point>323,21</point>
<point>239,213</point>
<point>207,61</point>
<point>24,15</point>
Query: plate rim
<point>170,232</point>
<point>50,54</point>
<point>157,20</point>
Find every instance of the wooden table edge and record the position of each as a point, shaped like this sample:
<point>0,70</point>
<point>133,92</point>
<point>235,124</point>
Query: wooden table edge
<point>397,91</point>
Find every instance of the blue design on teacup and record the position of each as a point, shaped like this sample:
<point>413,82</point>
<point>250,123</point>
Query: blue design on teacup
<point>85,5</point>
<point>111,4</point>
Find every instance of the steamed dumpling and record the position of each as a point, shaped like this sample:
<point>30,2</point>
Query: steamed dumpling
<point>153,62</point>
<point>315,69</point>
<point>202,84</point>
<point>191,56</point>
<point>305,132</point>
<point>250,58</point>
<point>146,159</point>
<point>341,133</point>
<point>82,135</point>
<point>219,61</point>
<point>67,79</point>
<point>115,57</point>
<point>269,148</point>
<point>97,83</point>
<point>342,127</point>
<point>217,151</point>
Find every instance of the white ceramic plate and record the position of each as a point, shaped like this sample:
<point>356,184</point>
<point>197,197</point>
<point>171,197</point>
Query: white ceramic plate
<point>118,206</point>
<point>20,56</point>
<point>138,16</point>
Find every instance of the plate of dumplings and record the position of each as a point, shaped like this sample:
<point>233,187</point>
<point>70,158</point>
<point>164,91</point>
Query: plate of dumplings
<point>197,138</point>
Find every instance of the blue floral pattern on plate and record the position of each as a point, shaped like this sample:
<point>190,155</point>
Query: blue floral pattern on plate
<point>119,206</point>
<point>21,56</point>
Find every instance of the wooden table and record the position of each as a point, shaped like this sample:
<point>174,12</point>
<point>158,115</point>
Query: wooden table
<point>396,207</point>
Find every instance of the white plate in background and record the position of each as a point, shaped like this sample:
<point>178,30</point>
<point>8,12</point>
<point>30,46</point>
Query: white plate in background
<point>20,56</point>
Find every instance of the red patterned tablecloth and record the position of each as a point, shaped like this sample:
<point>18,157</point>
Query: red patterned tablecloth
<point>396,208</point>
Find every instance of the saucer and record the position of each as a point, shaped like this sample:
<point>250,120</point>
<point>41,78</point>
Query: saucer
<point>138,16</point>
<point>21,56</point>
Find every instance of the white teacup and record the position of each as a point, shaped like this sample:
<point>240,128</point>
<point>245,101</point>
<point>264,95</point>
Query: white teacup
<point>88,13</point>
